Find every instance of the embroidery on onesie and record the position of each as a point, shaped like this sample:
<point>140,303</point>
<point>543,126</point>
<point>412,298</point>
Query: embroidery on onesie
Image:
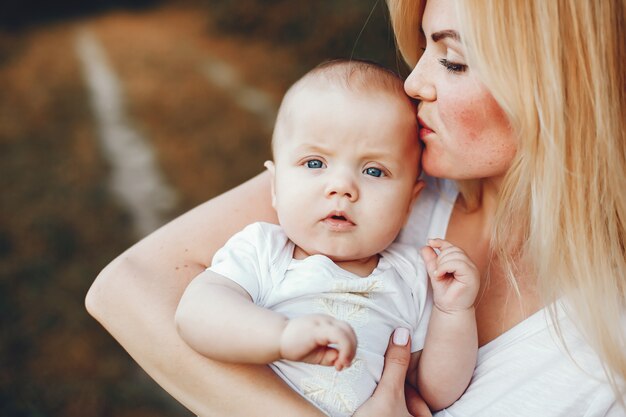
<point>332,390</point>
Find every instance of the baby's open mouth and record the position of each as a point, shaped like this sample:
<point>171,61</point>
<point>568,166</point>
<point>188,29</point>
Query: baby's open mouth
<point>339,220</point>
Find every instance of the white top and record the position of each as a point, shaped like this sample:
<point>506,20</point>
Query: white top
<point>260,259</point>
<point>524,372</point>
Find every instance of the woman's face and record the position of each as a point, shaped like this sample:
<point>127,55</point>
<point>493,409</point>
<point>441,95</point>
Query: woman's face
<point>465,132</point>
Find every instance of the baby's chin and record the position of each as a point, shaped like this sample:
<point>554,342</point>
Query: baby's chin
<point>348,253</point>
<point>351,257</point>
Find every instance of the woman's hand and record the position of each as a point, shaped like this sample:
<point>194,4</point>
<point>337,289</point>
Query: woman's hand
<point>392,398</point>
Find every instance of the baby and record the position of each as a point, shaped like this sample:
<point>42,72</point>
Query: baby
<point>300,295</point>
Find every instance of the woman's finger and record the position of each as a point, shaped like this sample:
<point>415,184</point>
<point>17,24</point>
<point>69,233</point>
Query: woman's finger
<point>415,403</point>
<point>388,398</point>
<point>397,360</point>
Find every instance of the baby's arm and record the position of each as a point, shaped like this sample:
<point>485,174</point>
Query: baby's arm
<point>217,318</point>
<point>449,356</point>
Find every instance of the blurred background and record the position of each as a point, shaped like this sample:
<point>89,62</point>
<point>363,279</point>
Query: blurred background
<point>116,116</point>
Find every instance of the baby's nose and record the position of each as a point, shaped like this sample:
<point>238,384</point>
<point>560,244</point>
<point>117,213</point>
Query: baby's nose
<point>342,186</point>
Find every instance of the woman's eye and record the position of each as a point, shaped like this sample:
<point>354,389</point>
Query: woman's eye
<point>374,172</point>
<point>314,164</point>
<point>453,66</point>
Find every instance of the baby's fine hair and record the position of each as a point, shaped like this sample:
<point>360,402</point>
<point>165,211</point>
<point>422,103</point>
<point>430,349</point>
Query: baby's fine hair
<point>356,75</point>
<point>351,75</point>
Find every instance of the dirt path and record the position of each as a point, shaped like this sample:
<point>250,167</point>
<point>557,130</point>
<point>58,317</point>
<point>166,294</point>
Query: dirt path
<point>205,103</point>
<point>58,227</point>
<point>136,179</point>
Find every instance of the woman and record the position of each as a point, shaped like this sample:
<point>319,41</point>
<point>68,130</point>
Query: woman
<point>523,106</point>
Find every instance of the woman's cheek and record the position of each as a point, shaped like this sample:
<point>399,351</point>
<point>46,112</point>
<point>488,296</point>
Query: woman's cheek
<point>451,155</point>
<point>480,134</point>
<point>462,116</point>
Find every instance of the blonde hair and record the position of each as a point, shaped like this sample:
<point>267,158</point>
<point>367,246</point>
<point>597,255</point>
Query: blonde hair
<point>557,70</point>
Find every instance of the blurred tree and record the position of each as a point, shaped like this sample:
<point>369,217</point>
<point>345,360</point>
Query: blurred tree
<point>16,14</point>
<point>315,31</point>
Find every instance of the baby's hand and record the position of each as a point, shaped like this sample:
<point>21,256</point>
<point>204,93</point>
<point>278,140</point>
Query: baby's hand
<point>453,275</point>
<point>307,339</point>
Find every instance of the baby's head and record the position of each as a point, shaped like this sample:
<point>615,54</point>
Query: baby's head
<point>346,160</point>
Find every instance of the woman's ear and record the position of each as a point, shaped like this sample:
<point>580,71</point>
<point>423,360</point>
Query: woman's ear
<point>271,168</point>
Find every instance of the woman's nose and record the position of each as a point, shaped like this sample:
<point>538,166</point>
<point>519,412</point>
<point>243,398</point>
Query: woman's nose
<point>342,186</point>
<point>418,85</point>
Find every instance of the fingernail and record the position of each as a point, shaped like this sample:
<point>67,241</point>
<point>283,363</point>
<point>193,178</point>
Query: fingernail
<point>401,336</point>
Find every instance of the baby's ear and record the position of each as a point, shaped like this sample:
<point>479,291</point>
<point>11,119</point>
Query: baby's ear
<point>271,168</point>
<point>417,189</point>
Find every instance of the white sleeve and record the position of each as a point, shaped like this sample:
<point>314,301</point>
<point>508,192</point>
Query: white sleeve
<point>606,405</point>
<point>616,410</point>
<point>410,265</point>
<point>425,307</point>
<point>247,257</point>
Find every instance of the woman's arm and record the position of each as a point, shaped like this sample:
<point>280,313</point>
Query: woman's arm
<point>136,295</point>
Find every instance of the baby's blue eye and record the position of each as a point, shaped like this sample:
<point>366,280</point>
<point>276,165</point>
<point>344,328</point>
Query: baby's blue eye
<point>374,172</point>
<point>314,164</point>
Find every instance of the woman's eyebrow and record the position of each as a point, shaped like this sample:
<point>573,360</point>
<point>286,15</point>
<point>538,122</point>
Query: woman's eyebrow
<point>453,34</point>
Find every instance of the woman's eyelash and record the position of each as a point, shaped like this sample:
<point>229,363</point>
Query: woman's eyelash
<point>452,66</point>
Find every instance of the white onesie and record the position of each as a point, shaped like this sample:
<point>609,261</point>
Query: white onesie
<point>260,259</point>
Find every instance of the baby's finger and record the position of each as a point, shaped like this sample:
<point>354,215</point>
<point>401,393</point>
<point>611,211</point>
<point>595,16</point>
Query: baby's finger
<point>439,244</point>
<point>345,342</point>
<point>430,259</point>
<point>455,267</point>
<point>325,356</point>
<point>452,254</point>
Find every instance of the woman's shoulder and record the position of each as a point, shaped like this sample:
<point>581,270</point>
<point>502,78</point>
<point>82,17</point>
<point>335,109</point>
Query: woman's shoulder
<point>430,213</point>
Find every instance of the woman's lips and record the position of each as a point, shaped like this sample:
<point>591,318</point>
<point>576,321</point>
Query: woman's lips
<point>424,129</point>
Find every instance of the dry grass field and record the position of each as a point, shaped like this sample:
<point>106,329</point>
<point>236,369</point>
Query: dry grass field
<point>60,224</point>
